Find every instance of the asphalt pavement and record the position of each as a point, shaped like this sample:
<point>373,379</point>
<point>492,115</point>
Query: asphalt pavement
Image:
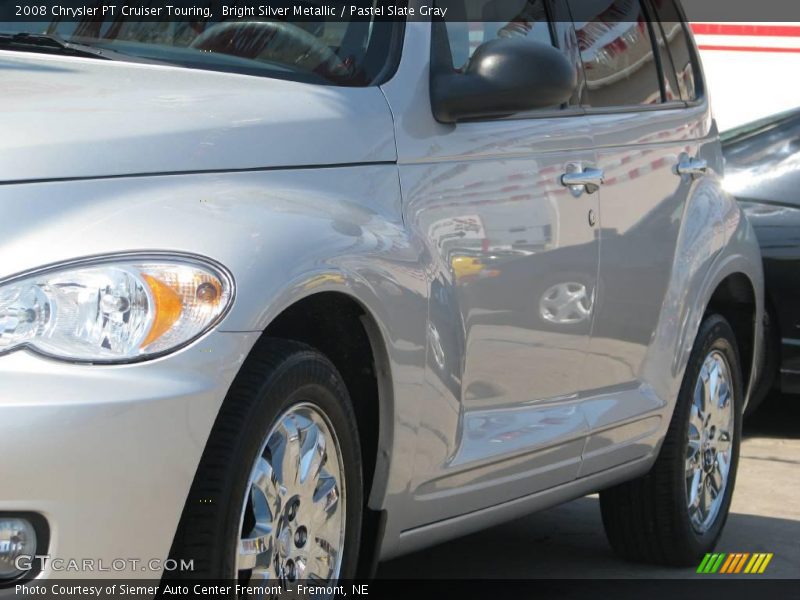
<point>568,541</point>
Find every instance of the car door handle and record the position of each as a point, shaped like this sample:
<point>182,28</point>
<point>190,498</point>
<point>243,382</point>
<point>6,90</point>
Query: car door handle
<point>695,167</point>
<point>579,180</point>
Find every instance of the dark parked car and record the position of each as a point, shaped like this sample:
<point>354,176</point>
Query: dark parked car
<point>762,169</point>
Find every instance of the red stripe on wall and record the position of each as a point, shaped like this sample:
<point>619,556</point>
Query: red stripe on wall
<point>747,48</point>
<point>739,29</point>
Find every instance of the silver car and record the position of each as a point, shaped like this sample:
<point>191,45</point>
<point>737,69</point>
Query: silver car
<point>280,299</point>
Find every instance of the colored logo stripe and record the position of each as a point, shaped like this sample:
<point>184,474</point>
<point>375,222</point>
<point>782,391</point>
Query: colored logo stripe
<point>758,563</point>
<point>711,563</point>
<point>732,560</point>
<point>734,563</point>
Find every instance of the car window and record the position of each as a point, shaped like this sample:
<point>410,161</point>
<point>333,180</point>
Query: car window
<point>616,46</point>
<point>355,51</point>
<point>679,48</point>
<point>470,23</point>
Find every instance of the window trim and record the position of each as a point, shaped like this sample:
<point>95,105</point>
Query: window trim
<point>694,54</point>
<point>663,41</point>
<point>654,42</point>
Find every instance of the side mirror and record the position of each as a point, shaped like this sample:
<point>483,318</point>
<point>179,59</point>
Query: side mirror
<point>503,77</point>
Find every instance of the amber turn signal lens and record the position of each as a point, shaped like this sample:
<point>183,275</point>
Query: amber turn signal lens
<point>168,309</point>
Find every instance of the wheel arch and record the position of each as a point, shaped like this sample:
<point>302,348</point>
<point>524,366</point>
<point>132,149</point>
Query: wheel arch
<point>343,328</point>
<point>724,275</point>
<point>735,299</point>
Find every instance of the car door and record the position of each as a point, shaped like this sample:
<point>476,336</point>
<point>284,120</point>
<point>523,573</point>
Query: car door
<point>643,128</point>
<point>513,260</point>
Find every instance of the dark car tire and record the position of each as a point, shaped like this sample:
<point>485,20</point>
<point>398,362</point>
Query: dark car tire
<point>277,377</point>
<point>648,519</point>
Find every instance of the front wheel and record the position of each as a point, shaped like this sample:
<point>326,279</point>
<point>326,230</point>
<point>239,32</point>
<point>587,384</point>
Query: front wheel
<point>278,493</point>
<point>675,513</point>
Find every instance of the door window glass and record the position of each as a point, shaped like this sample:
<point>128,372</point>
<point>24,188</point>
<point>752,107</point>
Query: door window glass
<point>617,51</point>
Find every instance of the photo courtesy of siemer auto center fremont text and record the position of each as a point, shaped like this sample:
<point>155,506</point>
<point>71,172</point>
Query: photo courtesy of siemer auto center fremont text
<point>335,299</point>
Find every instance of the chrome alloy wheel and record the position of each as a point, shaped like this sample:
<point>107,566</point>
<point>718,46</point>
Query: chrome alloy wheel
<point>293,517</point>
<point>710,441</point>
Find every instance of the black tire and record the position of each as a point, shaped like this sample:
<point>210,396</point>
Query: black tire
<point>277,375</point>
<point>647,519</point>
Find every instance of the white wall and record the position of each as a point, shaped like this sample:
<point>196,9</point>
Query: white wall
<point>746,85</point>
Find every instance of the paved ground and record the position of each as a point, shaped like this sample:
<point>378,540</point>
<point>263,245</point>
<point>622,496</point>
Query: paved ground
<point>568,541</point>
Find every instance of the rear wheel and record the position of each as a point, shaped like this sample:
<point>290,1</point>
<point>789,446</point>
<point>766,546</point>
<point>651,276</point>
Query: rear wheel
<point>278,493</point>
<point>675,513</point>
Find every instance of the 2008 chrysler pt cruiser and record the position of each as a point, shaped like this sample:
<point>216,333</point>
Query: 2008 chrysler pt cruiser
<point>289,298</point>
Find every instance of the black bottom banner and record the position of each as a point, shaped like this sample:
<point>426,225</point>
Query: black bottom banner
<point>379,589</point>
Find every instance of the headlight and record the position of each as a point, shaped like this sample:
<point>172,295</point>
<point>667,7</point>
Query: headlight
<point>112,310</point>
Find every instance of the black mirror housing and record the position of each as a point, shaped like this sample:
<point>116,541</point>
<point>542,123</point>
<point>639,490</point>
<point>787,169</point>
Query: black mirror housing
<point>504,76</point>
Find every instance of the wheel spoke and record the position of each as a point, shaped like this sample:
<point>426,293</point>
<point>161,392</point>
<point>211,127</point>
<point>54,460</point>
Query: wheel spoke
<point>713,388</point>
<point>696,416</point>
<point>264,484</point>
<point>715,483</point>
<point>698,404</point>
<point>705,397</point>
<point>723,465</point>
<point>301,568</point>
<point>691,466</point>
<point>287,452</point>
<point>694,489</point>
<point>247,559</point>
<point>259,544</point>
<point>723,442</point>
<point>319,565</point>
<point>327,494</point>
<point>723,395</point>
<point>324,556</point>
<point>706,499</point>
<point>313,455</point>
<point>694,435</point>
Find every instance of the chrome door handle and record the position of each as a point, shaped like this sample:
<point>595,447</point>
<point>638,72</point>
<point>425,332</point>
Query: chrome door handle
<point>580,180</point>
<point>688,165</point>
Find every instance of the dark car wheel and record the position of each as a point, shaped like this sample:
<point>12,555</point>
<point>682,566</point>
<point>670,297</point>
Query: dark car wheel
<point>675,513</point>
<point>278,492</point>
